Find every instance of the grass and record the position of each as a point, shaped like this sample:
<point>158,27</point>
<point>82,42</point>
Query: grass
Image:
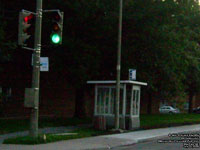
<point>82,133</point>
<point>147,122</point>
<point>14,125</point>
<point>166,120</point>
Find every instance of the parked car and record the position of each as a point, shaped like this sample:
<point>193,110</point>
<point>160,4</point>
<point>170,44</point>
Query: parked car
<point>169,110</point>
<point>196,110</point>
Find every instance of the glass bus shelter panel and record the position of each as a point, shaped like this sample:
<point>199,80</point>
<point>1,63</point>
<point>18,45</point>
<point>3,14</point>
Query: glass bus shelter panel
<point>106,101</point>
<point>136,102</point>
<point>128,99</point>
<point>102,100</point>
<point>106,97</point>
<point>112,100</point>
<point>121,101</point>
<point>98,104</point>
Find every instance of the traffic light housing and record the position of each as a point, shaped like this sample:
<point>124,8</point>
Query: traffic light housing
<point>26,29</point>
<point>57,27</point>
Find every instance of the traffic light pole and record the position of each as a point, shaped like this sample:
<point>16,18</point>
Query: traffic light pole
<point>36,71</point>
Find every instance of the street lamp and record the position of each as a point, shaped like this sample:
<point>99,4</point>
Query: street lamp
<point>118,66</point>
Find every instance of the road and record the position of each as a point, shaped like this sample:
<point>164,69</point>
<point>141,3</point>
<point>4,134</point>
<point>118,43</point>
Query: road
<point>158,145</point>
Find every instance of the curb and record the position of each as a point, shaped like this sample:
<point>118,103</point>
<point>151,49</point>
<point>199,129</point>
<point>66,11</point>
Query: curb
<point>111,147</point>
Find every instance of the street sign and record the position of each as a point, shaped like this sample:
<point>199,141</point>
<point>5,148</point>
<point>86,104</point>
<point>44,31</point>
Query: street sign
<point>132,74</point>
<point>44,64</point>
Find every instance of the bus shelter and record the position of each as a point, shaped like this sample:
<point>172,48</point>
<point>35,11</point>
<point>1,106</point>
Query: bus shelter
<point>104,105</point>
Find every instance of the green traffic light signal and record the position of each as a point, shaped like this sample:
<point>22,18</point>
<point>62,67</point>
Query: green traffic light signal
<point>57,26</point>
<point>55,38</point>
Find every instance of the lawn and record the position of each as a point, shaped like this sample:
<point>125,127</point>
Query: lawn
<point>166,120</point>
<point>14,125</point>
<point>48,138</point>
<point>147,121</point>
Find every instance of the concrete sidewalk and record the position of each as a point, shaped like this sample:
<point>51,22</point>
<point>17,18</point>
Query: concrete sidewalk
<point>107,141</point>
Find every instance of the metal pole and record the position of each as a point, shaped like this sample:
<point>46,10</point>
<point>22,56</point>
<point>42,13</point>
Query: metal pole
<point>36,71</point>
<point>118,66</point>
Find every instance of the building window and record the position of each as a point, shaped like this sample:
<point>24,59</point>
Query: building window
<point>6,93</point>
<point>163,103</point>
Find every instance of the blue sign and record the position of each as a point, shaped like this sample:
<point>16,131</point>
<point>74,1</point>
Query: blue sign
<point>132,74</point>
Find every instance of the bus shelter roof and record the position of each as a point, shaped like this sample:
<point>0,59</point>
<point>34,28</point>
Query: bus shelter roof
<point>114,82</point>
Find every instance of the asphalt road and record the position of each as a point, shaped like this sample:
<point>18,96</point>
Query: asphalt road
<point>168,143</point>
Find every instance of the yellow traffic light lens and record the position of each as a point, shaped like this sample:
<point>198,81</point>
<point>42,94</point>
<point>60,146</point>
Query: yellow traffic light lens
<point>55,38</point>
<point>56,27</point>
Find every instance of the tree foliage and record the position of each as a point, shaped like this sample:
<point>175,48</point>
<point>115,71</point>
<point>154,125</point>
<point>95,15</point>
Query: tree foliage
<point>7,45</point>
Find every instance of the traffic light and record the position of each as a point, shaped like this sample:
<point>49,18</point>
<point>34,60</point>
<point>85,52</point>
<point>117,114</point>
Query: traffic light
<point>26,29</point>
<point>57,27</point>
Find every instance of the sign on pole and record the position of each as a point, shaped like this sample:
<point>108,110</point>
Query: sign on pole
<point>132,74</point>
<point>44,64</point>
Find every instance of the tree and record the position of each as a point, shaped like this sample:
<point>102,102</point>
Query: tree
<point>160,38</point>
<point>157,41</point>
<point>90,40</point>
<point>7,44</point>
<point>189,21</point>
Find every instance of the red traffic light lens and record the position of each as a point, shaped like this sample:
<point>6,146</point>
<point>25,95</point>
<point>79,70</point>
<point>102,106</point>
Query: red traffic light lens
<point>28,18</point>
<point>56,16</point>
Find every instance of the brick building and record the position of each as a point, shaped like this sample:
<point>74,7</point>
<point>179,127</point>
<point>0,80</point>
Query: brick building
<point>56,95</point>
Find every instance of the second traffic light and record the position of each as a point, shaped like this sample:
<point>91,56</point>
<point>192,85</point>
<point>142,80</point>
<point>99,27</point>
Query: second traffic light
<point>26,29</point>
<point>57,27</point>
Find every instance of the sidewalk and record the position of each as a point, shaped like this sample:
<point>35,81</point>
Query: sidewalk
<point>107,141</point>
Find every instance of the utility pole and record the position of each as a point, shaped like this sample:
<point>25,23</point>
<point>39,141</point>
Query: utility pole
<point>118,66</point>
<point>36,71</point>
